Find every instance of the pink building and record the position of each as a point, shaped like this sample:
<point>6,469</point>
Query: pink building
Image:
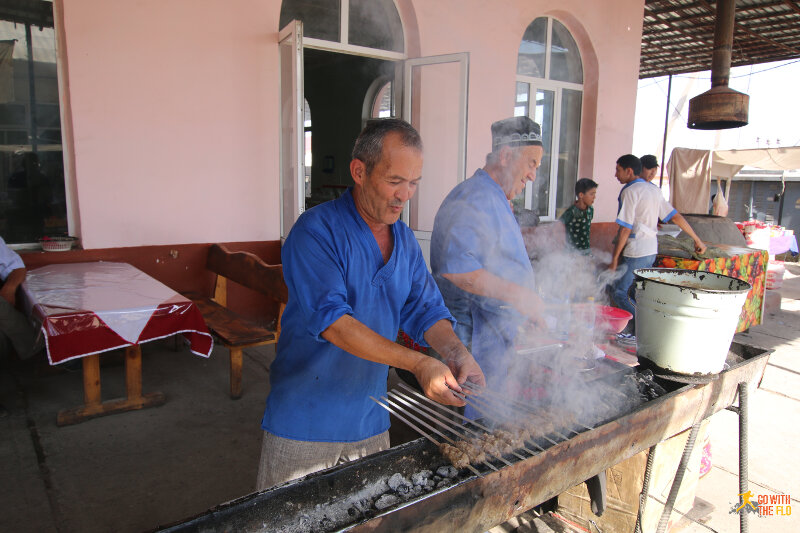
<point>184,121</point>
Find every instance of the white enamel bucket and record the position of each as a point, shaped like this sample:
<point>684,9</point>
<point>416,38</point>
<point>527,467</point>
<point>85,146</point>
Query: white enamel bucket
<point>686,319</point>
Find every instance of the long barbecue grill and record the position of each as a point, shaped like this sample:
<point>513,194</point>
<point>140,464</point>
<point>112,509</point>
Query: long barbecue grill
<point>412,487</point>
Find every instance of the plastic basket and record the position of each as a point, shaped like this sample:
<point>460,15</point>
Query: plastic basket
<point>59,243</point>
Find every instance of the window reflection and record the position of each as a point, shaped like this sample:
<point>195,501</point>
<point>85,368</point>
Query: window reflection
<point>32,193</point>
<point>321,19</point>
<point>376,24</point>
<point>565,59</point>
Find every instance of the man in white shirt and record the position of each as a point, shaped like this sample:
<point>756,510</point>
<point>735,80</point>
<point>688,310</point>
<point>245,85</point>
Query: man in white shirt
<point>640,208</point>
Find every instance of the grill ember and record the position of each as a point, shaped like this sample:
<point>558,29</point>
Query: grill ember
<point>509,429</point>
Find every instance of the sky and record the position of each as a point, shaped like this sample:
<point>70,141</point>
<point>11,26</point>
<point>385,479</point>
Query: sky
<point>774,117</point>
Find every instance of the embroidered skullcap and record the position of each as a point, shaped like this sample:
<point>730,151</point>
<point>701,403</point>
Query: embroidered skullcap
<point>516,131</point>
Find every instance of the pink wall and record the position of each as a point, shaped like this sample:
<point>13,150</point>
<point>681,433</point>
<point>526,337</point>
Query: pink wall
<point>174,105</point>
<point>609,35</point>
<point>174,117</point>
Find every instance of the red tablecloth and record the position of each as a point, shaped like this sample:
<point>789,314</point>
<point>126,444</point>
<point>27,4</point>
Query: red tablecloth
<point>88,308</point>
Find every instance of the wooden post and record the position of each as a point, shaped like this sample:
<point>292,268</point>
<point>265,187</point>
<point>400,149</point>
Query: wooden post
<point>133,372</point>
<point>91,380</point>
<point>236,372</point>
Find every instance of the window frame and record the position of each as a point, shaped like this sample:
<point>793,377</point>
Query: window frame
<point>557,87</point>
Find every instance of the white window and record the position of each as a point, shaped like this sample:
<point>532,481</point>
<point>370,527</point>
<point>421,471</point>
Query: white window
<point>550,91</point>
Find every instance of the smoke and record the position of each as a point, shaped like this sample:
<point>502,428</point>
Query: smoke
<point>568,376</point>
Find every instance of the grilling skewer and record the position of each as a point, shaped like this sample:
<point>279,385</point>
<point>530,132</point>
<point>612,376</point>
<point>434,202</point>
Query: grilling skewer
<point>418,430</point>
<point>522,405</point>
<point>413,404</point>
<point>464,418</point>
<point>435,430</point>
<point>484,412</point>
<point>425,424</point>
<point>503,417</point>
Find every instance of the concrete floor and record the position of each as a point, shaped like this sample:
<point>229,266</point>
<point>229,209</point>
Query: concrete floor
<point>133,471</point>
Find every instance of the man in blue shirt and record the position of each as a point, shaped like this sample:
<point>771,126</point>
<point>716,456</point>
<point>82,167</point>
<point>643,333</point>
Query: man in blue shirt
<point>478,256</point>
<point>356,275</point>
<point>13,324</point>
<point>14,327</point>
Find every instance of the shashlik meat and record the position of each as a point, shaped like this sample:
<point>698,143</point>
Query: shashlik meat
<point>456,457</point>
<point>473,451</point>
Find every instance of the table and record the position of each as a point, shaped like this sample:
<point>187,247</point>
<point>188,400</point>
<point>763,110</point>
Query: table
<point>86,309</point>
<point>748,264</point>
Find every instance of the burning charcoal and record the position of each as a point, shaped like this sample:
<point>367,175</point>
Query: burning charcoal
<point>437,478</point>
<point>431,483</point>
<point>416,491</point>
<point>326,523</point>
<point>362,506</point>
<point>353,512</point>
<point>447,471</point>
<point>421,478</point>
<point>444,483</point>
<point>399,484</point>
<point>387,500</point>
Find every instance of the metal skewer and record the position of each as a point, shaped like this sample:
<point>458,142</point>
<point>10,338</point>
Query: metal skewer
<point>533,414</point>
<point>418,430</point>
<point>487,415</point>
<point>413,404</point>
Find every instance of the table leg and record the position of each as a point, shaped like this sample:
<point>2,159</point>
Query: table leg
<point>91,381</point>
<point>94,407</point>
<point>133,372</point>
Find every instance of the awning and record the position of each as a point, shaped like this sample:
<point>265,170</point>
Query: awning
<point>727,163</point>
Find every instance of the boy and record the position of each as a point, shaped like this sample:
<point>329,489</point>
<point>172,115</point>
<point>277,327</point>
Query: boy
<point>578,218</point>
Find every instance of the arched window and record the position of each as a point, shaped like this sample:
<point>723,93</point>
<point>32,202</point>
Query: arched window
<point>550,91</point>
<point>367,23</point>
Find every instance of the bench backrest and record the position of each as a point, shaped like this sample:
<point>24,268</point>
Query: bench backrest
<point>248,270</point>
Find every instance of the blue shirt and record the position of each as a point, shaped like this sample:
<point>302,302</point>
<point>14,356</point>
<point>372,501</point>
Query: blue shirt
<point>475,229</point>
<point>333,266</point>
<point>9,260</point>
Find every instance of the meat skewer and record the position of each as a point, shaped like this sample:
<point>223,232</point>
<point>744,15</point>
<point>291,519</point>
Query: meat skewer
<point>450,425</point>
<point>468,421</point>
<point>443,447</point>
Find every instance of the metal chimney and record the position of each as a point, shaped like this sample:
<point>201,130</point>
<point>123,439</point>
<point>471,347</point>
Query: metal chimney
<point>720,107</point>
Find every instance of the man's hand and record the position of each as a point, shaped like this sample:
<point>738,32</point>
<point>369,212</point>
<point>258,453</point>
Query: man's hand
<point>699,246</point>
<point>531,305</point>
<point>454,354</point>
<point>465,368</point>
<point>437,382</point>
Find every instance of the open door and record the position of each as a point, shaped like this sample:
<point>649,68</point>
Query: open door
<point>291,135</point>
<point>435,102</point>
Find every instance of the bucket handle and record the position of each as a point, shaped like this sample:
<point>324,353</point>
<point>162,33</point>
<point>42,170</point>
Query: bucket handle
<point>631,294</point>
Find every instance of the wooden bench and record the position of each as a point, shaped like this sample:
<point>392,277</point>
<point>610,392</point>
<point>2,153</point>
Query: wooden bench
<point>234,331</point>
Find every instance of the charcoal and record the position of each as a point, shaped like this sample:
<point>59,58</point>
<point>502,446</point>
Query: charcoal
<point>387,500</point>
<point>421,478</point>
<point>447,471</point>
<point>400,484</point>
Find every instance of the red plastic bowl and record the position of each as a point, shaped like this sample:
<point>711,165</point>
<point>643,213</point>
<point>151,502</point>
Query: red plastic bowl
<point>611,319</point>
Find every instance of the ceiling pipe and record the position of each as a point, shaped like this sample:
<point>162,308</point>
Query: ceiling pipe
<point>720,107</point>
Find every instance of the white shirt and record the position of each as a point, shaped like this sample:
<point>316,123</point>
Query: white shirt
<point>641,205</point>
<point>9,260</point>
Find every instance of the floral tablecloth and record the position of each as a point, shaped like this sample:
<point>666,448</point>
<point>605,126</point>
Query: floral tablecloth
<point>747,264</point>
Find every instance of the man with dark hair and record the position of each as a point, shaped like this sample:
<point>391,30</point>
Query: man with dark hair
<point>636,245</point>
<point>649,167</point>
<point>577,218</point>
<point>355,275</point>
<point>478,256</point>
